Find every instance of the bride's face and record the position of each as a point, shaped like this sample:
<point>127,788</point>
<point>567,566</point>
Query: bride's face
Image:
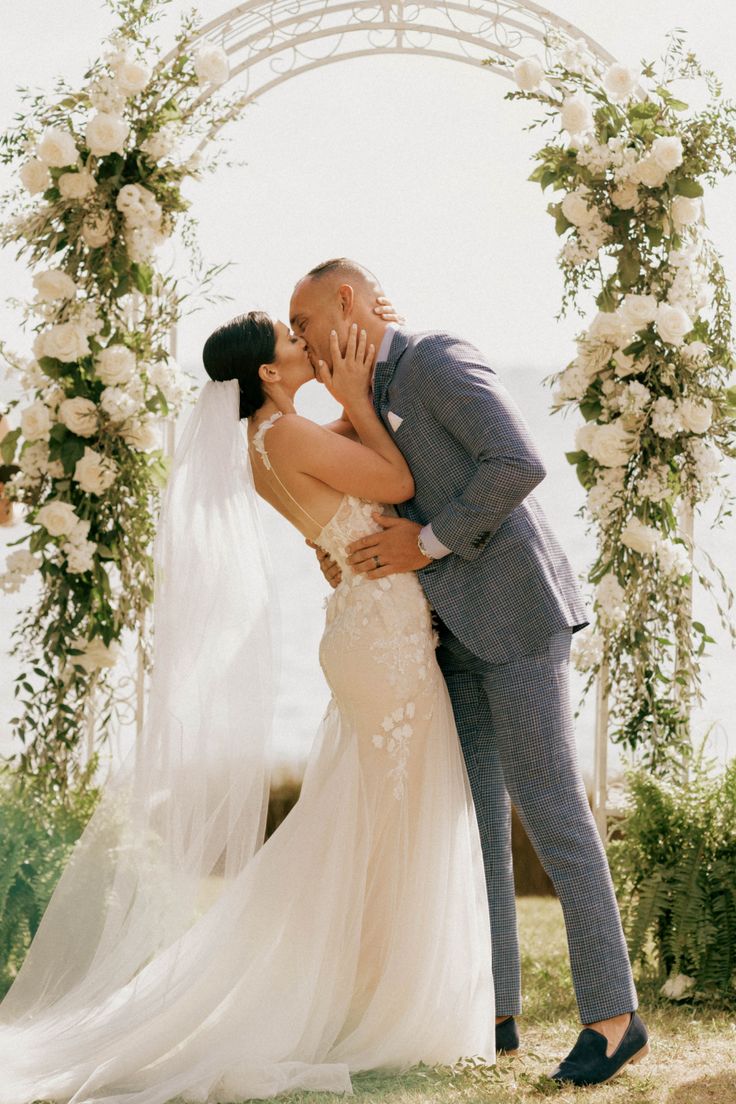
<point>291,360</point>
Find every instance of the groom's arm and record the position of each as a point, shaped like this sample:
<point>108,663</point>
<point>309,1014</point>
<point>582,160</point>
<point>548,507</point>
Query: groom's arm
<point>466,398</point>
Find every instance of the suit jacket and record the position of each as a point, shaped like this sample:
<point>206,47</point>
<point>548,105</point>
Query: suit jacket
<point>506,584</point>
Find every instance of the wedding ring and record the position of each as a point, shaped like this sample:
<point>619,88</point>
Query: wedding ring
<point>376,561</point>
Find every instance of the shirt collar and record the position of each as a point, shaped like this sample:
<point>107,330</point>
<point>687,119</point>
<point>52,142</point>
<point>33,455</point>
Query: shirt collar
<point>388,336</point>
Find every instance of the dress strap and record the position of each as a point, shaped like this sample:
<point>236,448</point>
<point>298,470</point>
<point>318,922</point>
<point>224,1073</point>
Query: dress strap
<point>260,446</point>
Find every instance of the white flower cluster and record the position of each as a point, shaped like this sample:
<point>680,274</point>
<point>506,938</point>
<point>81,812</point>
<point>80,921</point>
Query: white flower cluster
<point>611,601</point>
<point>144,230</point>
<point>604,497</point>
<point>648,541</point>
<point>19,565</point>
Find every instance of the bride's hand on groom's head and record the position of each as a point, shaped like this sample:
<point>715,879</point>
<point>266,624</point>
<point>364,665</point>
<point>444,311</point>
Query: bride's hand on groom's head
<point>386,310</point>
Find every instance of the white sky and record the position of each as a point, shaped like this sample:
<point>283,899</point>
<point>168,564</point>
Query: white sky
<point>417,167</point>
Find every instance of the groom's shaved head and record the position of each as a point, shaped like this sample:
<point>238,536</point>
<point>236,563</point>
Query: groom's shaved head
<point>346,272</point>
<point>331,296</point>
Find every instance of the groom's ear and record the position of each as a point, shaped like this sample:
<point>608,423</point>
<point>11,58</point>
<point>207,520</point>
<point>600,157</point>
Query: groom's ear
<point>346,297</point>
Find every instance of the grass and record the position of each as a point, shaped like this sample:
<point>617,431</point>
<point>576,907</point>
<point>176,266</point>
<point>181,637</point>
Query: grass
<point>692,1061</point>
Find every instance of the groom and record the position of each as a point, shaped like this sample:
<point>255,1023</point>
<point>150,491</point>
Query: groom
<point>507,604</point>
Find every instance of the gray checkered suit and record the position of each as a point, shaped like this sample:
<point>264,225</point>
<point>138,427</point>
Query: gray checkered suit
<point>507,602</point>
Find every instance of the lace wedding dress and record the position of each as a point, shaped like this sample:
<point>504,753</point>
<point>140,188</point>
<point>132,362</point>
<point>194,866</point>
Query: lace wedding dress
<point>361,935</point>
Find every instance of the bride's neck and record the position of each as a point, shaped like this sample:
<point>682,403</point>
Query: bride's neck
<point>281,403</point>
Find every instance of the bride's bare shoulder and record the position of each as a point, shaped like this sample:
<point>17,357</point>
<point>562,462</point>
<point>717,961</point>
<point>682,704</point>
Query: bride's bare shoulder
<point>294,432</point>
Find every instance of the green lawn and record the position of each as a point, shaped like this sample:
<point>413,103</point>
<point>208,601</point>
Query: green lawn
<point>693,1057</point>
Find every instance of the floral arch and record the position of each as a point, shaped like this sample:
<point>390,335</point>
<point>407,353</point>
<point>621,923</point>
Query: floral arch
<point>101,167</point>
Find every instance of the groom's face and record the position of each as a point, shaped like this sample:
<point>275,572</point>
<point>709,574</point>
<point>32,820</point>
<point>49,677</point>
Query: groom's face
<point>316,308</point>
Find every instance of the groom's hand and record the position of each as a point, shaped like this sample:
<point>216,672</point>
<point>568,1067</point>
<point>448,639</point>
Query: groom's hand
<point>327,565</point>
<point>388,552</point>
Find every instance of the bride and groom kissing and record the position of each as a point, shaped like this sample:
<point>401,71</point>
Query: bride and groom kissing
<point>376,928</point>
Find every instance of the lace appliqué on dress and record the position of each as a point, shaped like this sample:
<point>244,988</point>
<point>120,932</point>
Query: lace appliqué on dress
<point>397,732</point>
<point>258,436</point>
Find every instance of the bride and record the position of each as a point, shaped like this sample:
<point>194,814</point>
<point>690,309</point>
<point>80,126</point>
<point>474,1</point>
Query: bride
<point>179,955</point>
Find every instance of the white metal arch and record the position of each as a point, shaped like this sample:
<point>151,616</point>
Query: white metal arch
<point>269,42</point>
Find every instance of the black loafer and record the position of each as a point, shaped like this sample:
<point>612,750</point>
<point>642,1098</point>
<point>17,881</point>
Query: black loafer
<point>587,1062</point>
<point>507,1037</point>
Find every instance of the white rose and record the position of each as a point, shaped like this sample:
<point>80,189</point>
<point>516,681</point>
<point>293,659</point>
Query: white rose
<point>35,422</point>
<point>624,365</point>
<point>77,185</point>
<point>57,517</point>
<point>80,531</point>
<point>672,324</point>
<point>79,415</point>
<point>115,365</point>
<point>576,115</point>
<point>106,133</point>
<point>696,352</point>
<point>610,327</point>
<point>95,654</point>
<point>34,458</point>
<point>611,445</point>
<point>677,986</point>
<point>57,148</point>
<point>138,205</point>
<point>625,196</point>
<point>54,284</point>
<point>667,152</point>
<point>639,310</point>
<point>619,82</point>
<point>140,435</point>
<point>80,556</point>
<point>641,538</point>
<point>35,176</point>
<point>576,210</point>
<point>649,172</point>
<point>97,230</point>
<point>56,469</point>
<point>685,211</point>
<point>528,74</point>
<point>117,404</point>
<point>211,65</point>
<point>66,342</point>
<point>95,473</point>
<point>131,77</point>
<point>696,415</point>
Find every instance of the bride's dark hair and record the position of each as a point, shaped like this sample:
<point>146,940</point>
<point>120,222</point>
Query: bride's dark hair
<point>236,350</point>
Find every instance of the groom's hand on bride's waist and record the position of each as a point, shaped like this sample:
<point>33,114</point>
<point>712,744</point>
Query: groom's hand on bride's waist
<point>391,550</point>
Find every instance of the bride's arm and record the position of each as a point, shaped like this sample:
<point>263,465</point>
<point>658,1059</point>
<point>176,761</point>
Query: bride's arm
<point>372,467</point>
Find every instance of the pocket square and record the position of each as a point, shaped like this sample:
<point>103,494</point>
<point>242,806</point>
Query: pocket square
<point>394,420</point>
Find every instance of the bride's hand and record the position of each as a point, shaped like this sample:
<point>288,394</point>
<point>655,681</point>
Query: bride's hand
<point>349,378</point>
<point>386,310</point>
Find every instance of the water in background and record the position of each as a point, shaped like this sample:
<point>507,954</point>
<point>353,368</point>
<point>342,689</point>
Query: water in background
<point>302,591</point>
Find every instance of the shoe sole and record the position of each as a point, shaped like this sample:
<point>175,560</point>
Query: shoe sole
<point>630,1062</point>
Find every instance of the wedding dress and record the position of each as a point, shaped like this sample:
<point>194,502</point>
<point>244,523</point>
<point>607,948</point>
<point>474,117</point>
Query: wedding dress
<point>356,937</point>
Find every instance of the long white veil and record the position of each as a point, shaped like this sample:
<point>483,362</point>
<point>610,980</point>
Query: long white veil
<point>185,811</point>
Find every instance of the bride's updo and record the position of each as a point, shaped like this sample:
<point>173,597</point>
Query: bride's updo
<point>236,350</point>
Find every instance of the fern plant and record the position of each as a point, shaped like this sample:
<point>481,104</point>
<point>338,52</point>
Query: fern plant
<point>675,870</point>
<point>37,832</point>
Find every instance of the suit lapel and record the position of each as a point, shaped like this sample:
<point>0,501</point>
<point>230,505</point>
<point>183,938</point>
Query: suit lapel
<point>385,369</point>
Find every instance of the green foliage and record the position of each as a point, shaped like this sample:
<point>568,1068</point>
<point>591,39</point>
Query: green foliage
<point>675,871</point>
<point>38,828</point>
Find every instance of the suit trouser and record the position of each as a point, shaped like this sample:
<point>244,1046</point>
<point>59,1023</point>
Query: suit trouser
<point>515,726</point>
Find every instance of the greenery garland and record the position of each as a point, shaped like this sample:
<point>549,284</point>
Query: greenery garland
<point>101,169</point>
<point>651,373</point>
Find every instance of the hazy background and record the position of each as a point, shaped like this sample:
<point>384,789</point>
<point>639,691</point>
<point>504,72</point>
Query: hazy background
<point>417,167</point>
